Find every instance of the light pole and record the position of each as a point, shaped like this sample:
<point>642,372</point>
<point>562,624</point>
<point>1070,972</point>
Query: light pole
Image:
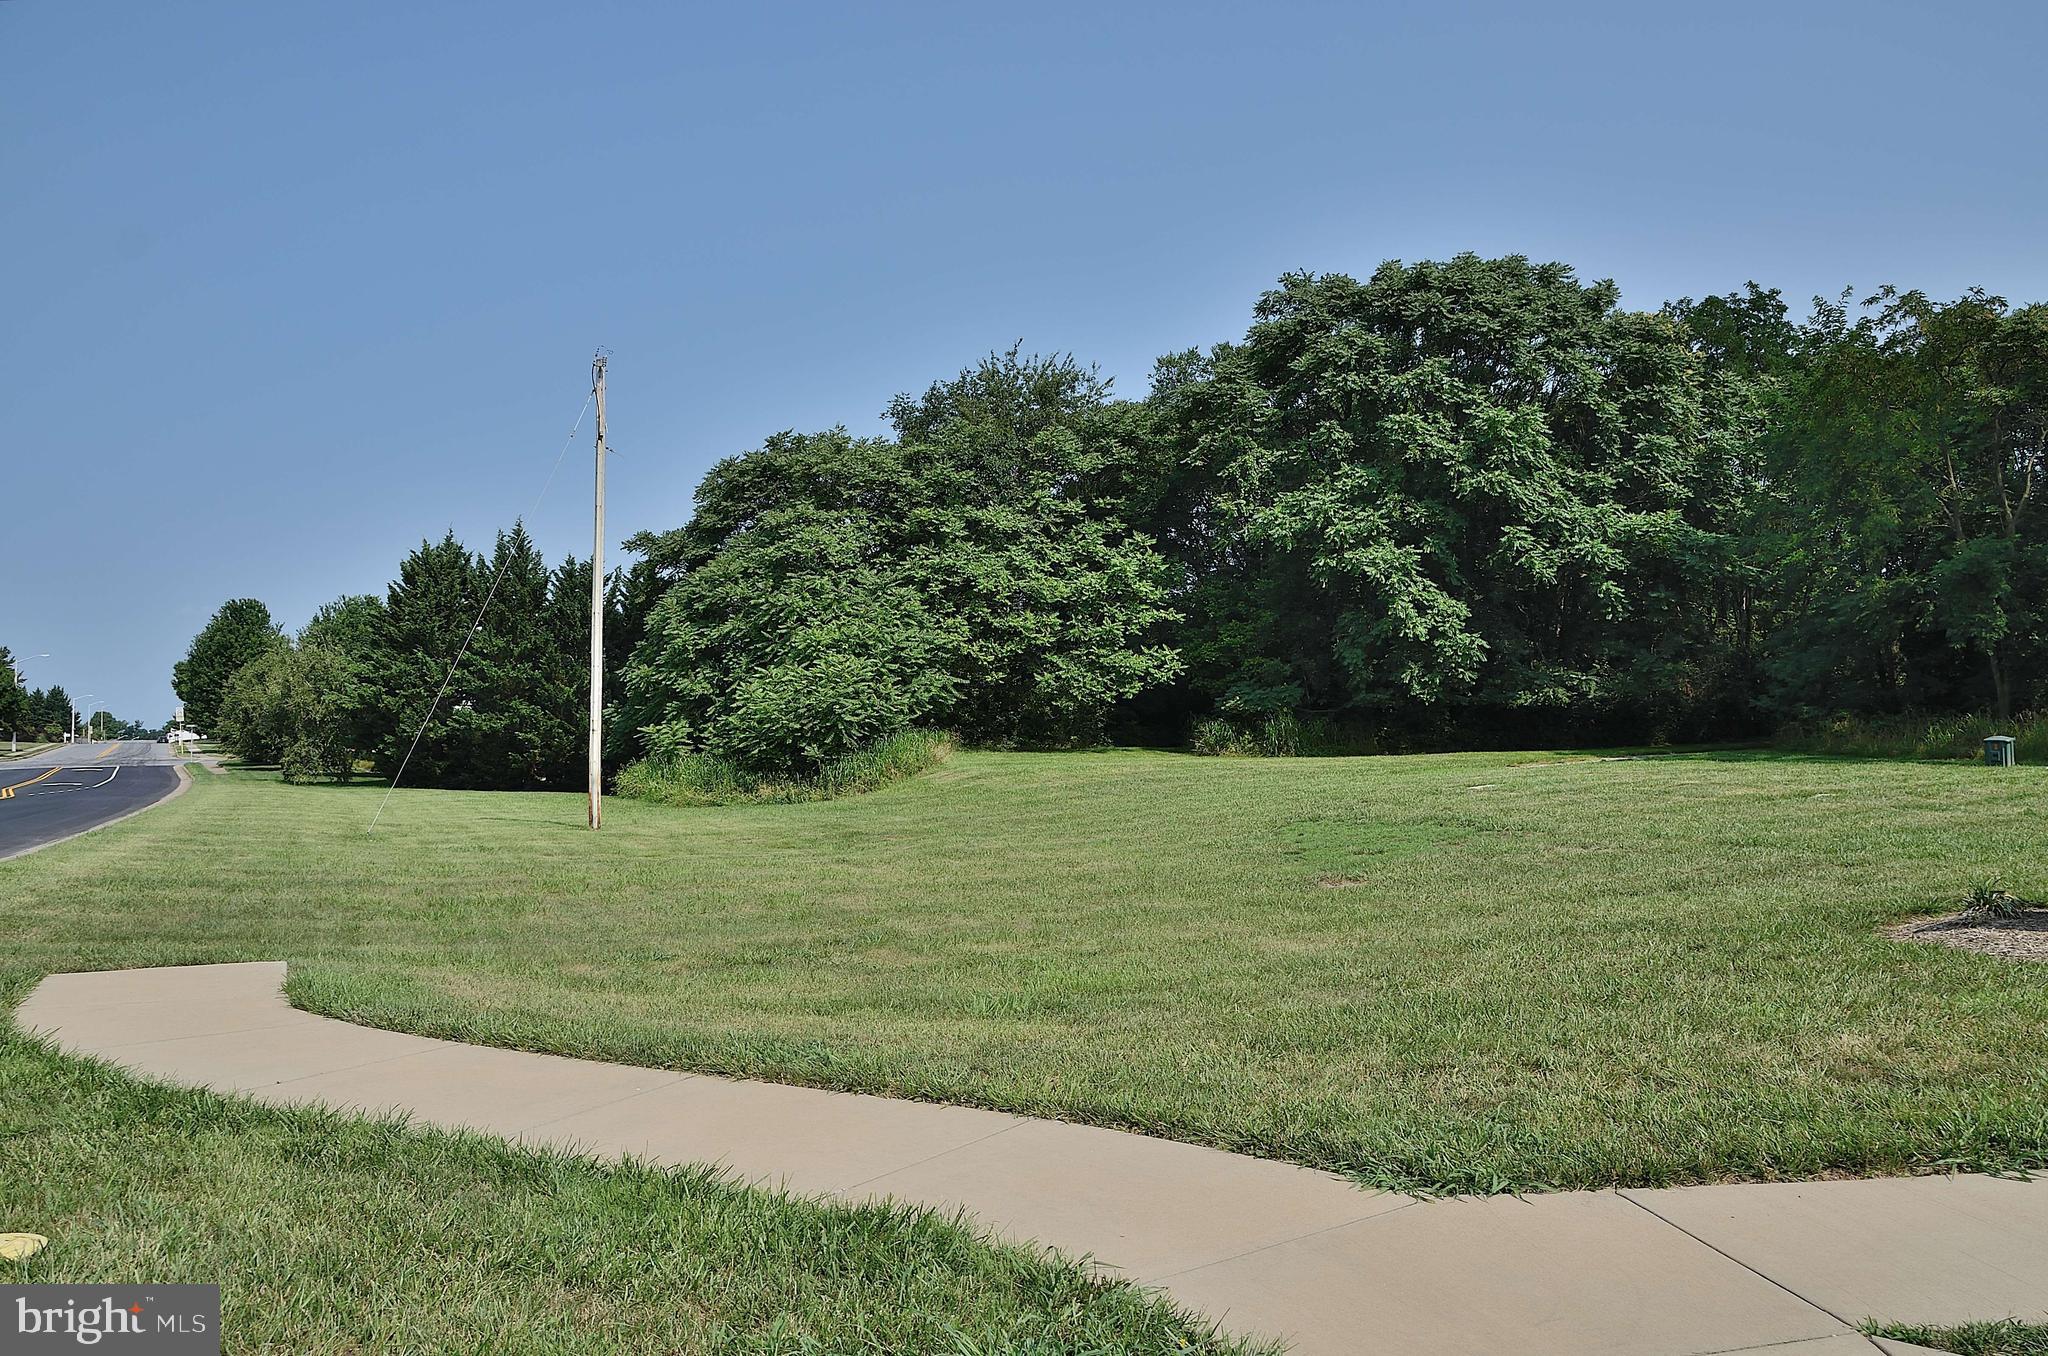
<point>88,720</point>
<point>13,735</point>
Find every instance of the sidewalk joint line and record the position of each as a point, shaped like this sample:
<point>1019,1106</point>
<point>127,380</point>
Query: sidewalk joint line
<point>673,1079</point>
<point>345,1068</point>
<point>1822,1308</point>
<point>194,1036</point>
<point>106,1004</point>
<point>1281,1243</point>
<point>1868,1341</point>
<point>928,1158</point>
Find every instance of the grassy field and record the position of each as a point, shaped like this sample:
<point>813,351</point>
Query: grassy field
<point>24,751</point>
<point>339,1236</point>
<point>1460,972</point>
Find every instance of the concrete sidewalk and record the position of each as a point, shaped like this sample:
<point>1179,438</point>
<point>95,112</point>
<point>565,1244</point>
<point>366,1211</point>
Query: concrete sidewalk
<point>1266,1248</point>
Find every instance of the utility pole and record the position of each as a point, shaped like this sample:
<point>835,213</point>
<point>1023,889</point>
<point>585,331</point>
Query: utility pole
<point>597,612</point>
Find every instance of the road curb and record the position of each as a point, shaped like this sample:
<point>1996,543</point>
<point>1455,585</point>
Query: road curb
<point>178,789</point>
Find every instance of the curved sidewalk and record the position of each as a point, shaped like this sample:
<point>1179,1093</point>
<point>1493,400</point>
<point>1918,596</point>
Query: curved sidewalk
<point>1268,1249</point>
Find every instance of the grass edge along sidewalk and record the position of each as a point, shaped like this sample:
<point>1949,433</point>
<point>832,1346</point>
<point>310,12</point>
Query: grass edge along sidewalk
<point>334,1234</point>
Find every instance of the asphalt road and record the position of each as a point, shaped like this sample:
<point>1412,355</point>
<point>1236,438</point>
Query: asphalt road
<point>62,791</point>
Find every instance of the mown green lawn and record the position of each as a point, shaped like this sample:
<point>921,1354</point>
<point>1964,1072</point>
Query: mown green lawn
<point>1454,972</point>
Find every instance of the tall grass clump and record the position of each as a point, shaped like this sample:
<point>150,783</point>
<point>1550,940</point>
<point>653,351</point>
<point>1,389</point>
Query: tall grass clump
<point>1281,735</point>
<point>707,779</point>
<point>1917,736</point>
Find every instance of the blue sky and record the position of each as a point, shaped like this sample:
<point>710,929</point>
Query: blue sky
<point>331,274</point>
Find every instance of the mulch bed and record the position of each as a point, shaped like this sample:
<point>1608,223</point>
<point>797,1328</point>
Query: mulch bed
<point>2024,936</point>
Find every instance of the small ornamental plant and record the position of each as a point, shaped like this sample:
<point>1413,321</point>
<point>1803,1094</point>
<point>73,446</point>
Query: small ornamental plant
<point>1988,899</point>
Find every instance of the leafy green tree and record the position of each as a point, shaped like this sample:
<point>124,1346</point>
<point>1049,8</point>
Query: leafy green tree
<point>1709,680</point>
<point>792,643</point>
<point>1023,545</point>
<point>301,707</point>
<point>238,633</point>
<point>349,624</point>
<point>1467,484</point>
<point>1914,534</point>
<point>831,590</point>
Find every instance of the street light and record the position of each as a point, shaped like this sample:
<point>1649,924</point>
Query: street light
<point>88,720</point>
<point>13,735</point>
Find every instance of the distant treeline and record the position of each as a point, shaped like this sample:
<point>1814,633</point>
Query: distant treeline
<point>1462,503</point>
<point>46,714</point>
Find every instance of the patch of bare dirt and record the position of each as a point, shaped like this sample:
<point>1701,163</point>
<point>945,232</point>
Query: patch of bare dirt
<point>2021,936</point>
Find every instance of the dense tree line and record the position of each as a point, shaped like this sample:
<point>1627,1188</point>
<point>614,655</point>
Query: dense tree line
<point>1466,502</point>
<point>354,689</point>
<point>1463,502</point>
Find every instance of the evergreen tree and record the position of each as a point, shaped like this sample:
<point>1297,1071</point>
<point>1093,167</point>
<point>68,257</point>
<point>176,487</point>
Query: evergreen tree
<point>53,712</point>
<point>14,702</point>
<point>427,615</point>
<point>515,712</point>
<point>510,723</point>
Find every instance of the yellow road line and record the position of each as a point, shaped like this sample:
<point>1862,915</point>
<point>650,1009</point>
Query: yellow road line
<point>105,751</point>
<point>7,792</point>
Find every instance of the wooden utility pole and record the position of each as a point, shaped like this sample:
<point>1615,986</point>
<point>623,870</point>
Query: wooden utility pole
<point>597,612</point>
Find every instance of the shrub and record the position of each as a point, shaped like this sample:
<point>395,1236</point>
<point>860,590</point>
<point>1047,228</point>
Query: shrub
<point>1217,739</point>
<point>1988,899</point>
<point>1281,735</point>
<point>708,779</point>
<point>301,707</point>
<point>799,719</point>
